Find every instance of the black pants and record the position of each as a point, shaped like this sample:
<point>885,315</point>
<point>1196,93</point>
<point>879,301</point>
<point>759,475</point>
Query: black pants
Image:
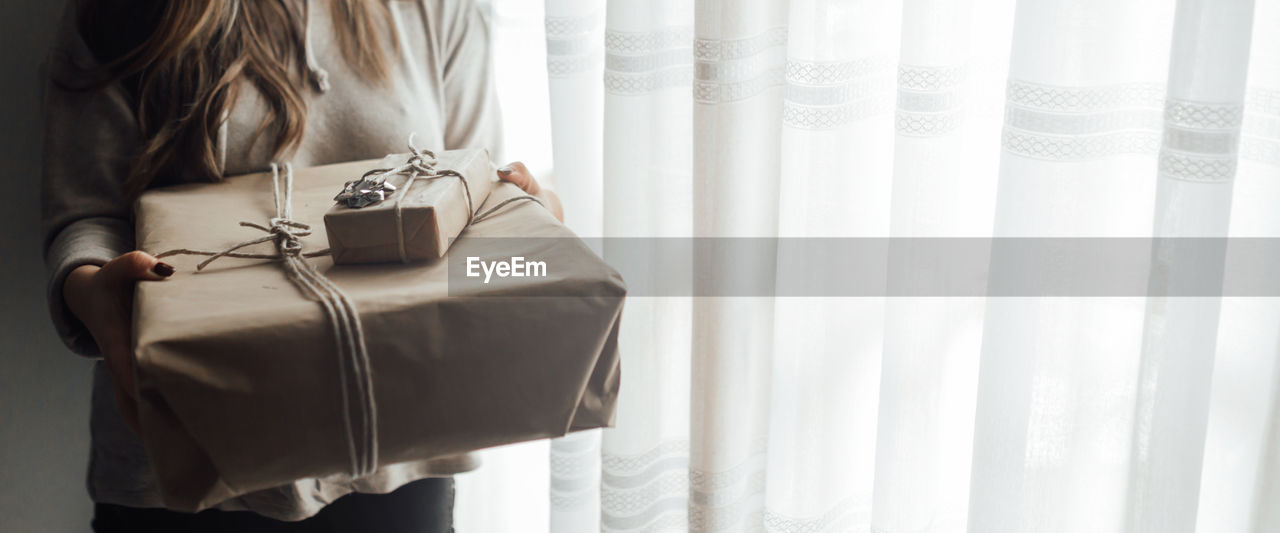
<point>424,506</point>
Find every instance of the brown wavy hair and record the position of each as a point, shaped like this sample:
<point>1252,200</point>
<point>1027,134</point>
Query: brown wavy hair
<point>183,60</point>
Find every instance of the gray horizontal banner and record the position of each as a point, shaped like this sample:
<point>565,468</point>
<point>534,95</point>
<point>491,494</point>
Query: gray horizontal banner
<point>869,267</point>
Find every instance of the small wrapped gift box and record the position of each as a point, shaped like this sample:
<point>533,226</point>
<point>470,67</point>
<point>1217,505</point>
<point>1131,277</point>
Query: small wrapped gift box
<point>410,207</point>
<point>258,371</point>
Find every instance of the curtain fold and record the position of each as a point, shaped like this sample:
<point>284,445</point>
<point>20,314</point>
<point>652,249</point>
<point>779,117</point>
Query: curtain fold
<point>1197,163</point>
<point>837,97</point>
<point>729,121</point>
<point>575,63</point>
<point>1058,375</point>
<point>648,162</point>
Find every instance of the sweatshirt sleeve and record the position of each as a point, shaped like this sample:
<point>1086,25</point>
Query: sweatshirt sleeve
<point>89,136</point>
<point>473,118</point>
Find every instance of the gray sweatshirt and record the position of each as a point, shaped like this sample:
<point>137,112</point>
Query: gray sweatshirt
<point>441,87</point>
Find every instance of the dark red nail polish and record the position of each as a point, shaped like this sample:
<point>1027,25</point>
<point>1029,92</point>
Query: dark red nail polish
<point>163,269</point>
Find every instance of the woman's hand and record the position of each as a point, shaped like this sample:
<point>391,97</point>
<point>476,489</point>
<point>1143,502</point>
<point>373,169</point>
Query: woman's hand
<point>102,298</point>
<point>517,173</point>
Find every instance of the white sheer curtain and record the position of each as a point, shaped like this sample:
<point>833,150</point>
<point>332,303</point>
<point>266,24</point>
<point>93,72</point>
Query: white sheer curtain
<point>908,118</point>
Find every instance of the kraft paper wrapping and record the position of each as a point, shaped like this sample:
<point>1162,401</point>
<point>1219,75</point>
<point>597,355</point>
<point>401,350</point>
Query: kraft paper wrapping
<point>432,212</point>
<point>237,371</point>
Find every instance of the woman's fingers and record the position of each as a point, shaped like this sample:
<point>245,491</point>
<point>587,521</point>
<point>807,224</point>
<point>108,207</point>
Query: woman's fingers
<point>109,312</point>
<point>135,266</point>
<point>518,174</point>
<point>105,308</point>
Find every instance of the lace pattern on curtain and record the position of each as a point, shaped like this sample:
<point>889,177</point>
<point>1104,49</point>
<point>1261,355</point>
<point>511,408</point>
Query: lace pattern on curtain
<point>726,70</point>
<point>827,95</point>
<point>648,491</point>
<point>645,62</point>
<point>571,48</point>
<point>929,100</point>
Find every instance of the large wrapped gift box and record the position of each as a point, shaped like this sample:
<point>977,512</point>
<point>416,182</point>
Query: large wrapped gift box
<point>238,375</point>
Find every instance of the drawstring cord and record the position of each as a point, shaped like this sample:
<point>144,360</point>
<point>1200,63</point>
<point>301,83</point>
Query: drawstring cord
<point>319,76</point>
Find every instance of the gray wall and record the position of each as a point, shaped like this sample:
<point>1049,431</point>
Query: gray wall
<point>44,389</point>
